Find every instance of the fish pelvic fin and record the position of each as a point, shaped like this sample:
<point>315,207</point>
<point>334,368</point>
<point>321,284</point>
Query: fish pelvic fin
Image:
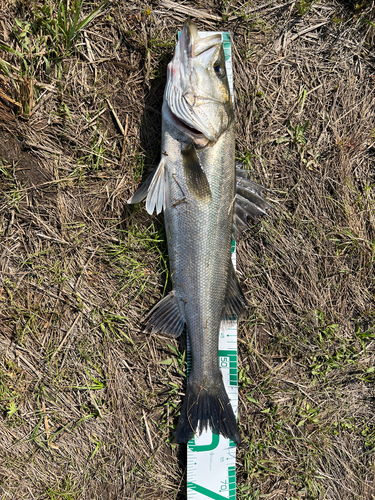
<point>249,202</point>
<point>165,317</point>
<point>207,407</point>
<point>155,189</point>
<point>196,179</point>
<point>236,301</point>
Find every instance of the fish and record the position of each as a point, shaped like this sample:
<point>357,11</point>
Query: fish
<point>203,196</point>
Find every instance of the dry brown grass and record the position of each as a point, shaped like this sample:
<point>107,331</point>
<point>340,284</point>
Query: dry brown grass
<point>88,402</point>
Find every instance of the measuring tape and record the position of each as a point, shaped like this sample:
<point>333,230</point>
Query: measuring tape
<point>211,458</point>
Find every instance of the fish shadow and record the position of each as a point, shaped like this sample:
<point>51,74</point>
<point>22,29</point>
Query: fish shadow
<point>150,139</point>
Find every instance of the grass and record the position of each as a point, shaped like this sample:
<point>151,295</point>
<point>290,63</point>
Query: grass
<point>42,42</point>
<point>88,402</point>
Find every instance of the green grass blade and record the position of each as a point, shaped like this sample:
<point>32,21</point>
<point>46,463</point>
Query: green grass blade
<point>91,16</point>
<point>72,32</point>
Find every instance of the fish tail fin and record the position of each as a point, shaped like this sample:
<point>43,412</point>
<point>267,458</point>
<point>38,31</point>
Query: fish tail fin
<point>207,407</point>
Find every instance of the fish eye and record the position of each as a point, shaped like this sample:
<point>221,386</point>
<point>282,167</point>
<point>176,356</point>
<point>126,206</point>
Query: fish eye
<point>219,70</point>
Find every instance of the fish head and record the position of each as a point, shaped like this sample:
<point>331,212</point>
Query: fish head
<point>197,96</point>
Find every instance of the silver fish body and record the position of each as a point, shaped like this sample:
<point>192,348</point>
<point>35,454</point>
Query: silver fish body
<point>195,185</point>
<point>199,246</point>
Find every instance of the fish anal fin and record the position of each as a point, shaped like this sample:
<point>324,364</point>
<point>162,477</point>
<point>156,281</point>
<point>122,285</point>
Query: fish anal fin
<point>196,179</point>
<point>236,301</point>
<point>165,317</point>
<point>155,189</point>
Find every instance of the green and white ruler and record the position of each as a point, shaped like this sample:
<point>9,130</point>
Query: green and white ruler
<point>211,459</point>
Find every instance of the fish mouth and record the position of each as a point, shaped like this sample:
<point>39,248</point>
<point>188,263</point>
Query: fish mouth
<point>192,134</point>
<point>177,122</point>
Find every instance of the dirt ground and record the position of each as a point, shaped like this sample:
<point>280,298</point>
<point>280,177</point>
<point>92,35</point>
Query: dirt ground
<point>88,402</point>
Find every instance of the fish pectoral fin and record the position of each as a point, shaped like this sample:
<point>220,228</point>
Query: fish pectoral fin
<point>141,192</point>
<point>249,200</point>
<point>166,317</point>
<point>155,189</point>
<point>236,301</point>
<point>195,177</point>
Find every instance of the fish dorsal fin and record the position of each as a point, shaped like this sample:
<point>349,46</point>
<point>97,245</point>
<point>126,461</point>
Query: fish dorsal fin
<point>166,317</point>
<point>155,189</point>
<point>249,202</point>
<point>236,301</point>
<point>196,179</point>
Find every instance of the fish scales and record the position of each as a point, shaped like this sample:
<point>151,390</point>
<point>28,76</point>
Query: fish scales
<point>199,244</point>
